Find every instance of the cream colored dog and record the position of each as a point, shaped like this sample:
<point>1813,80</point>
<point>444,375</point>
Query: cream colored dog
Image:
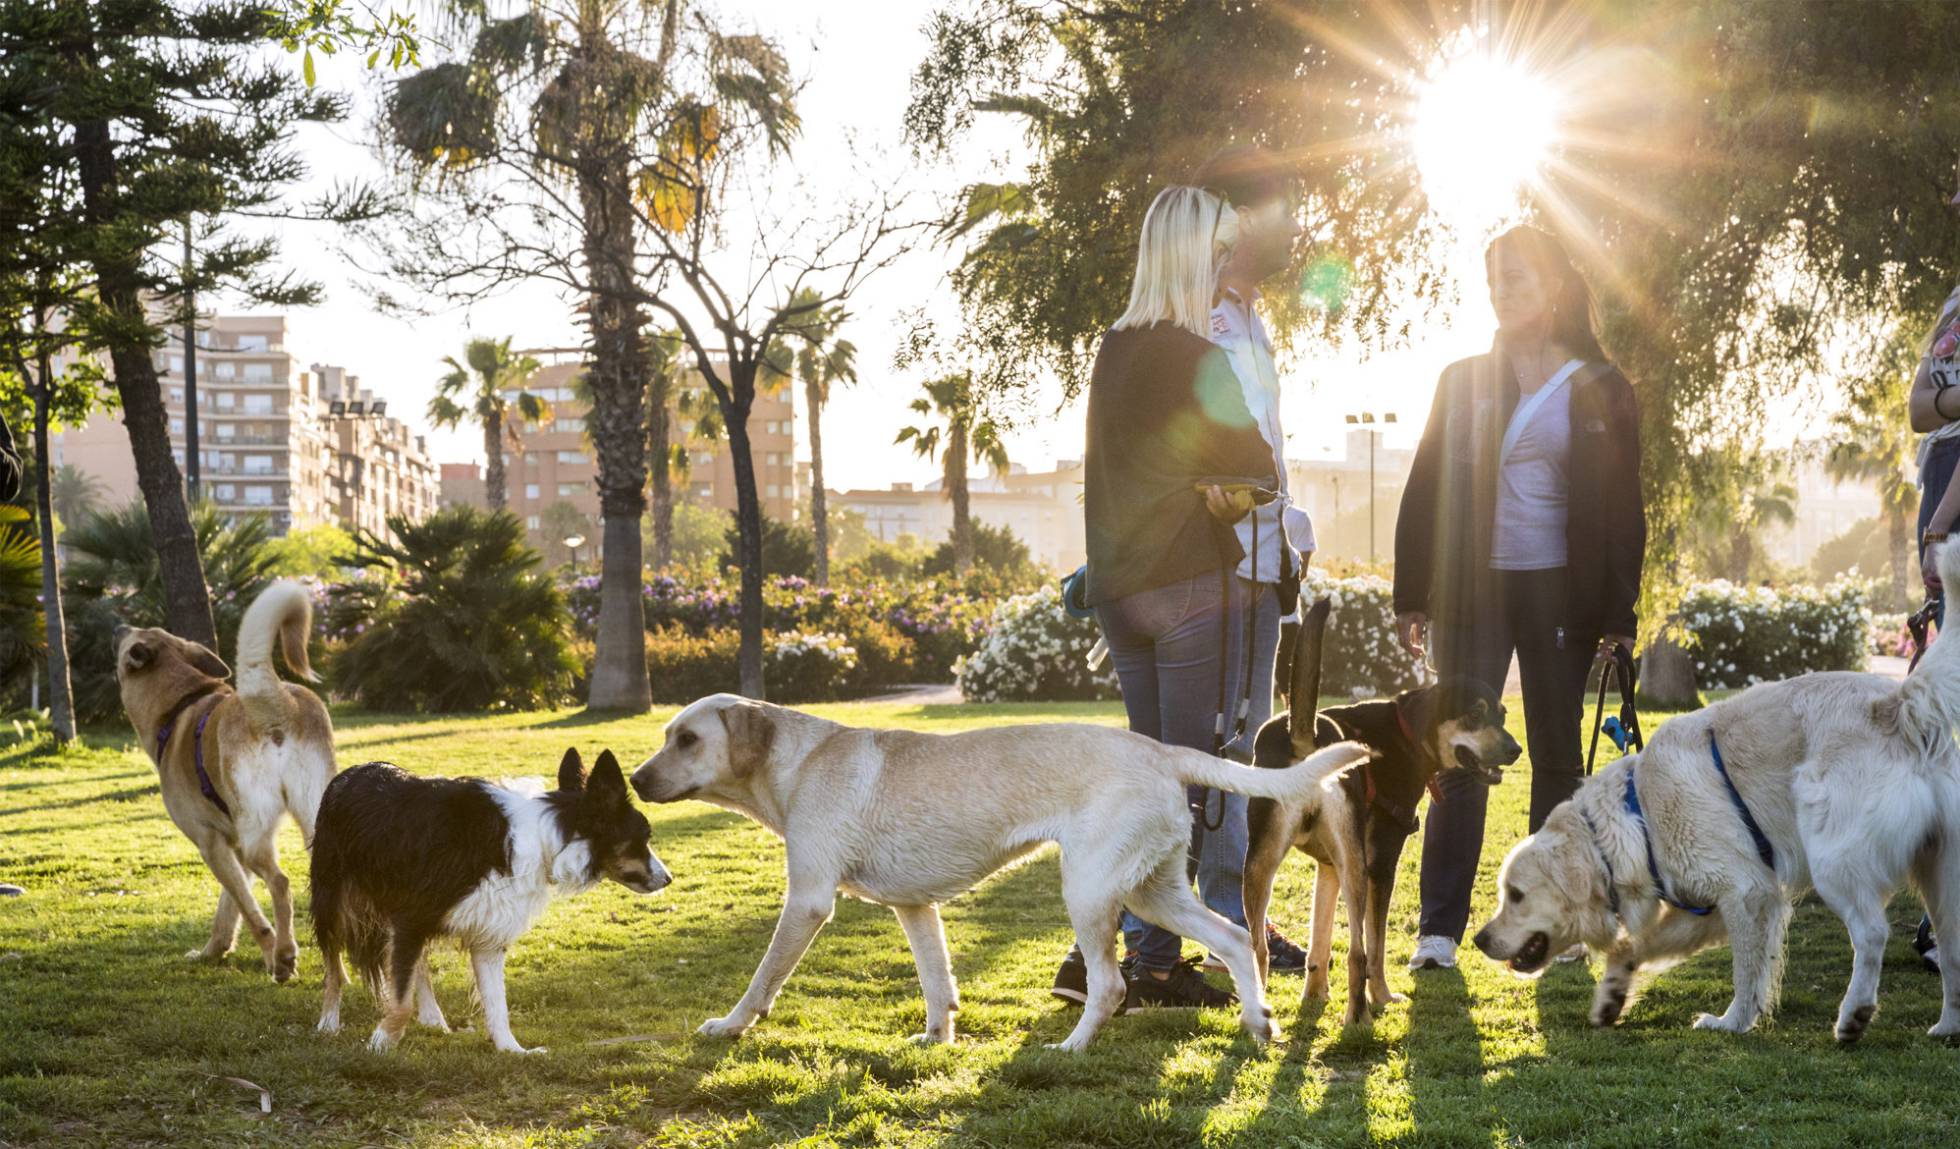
<point>909,820</point>
<point>1853,779</point>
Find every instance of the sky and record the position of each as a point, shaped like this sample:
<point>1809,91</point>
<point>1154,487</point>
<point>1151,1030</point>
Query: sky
<point>857,61</point>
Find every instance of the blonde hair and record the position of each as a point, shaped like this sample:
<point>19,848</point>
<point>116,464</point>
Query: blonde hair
<point>1187,235</point>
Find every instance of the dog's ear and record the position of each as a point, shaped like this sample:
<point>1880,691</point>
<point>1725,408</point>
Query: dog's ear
<point>140,655</point>
<point>751,731</point>
<point>571,770</point>
<point>205,660</point>
<point>606,783</point>
<point>1303,699</point>
<point>1420,710</point>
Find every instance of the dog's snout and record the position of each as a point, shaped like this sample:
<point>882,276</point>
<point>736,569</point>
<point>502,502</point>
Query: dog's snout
<point>116,635</point>
<point>642,781</point>
<point>1482,941</point>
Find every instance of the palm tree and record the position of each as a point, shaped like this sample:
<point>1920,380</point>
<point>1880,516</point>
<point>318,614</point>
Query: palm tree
<point>74,492</point>
<point>822,360</point>
<point>666,459</point>
<point>967,434</point>
<point>479,388</point>
<point>1876,445</point>
<point>1771,504</point>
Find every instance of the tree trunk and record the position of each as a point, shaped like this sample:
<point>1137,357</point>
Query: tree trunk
<point>617,426</point>
<point>61,700</point>
<point>660,463</point>
<point>186,600</point>
<point>962,504</point>
<point>1667,677</point>
<point>495,492</point>
<point>1901,542</point>
<point>748,520</point>
<point>819,513</point>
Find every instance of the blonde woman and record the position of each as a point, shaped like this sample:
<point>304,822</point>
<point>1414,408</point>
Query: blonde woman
<point>1167,417</point>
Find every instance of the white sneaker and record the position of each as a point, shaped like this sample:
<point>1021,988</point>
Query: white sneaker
<point>1433,951</point>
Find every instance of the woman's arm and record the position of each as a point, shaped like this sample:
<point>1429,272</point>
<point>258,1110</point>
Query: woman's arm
<point>1415,523</point>
<point>1626,530</point>
<point>1929,410</point>
<point>1944,513</point>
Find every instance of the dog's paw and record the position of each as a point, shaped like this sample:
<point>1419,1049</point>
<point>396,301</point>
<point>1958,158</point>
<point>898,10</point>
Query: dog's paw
<point>1947,1026</point>
<point>730,1026</point>
<point>284,966</point>
<point>1316,989</point>
<point>1851,1026</point>
<point>329,1023</point>
<point>1383,1001</point>
<point>1068,1045</point>
<point>1716,1024</point>
<point>931,1037</point>
<point>1609,1005</point>
<point>513,1047</point>
<point>1265,1031</point>
<point>382,1041</point>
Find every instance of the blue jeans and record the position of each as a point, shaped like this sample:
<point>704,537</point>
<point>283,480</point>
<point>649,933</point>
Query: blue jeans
<point>1933,478</point>
<point>1221,851</point>
<point>1165,645</point>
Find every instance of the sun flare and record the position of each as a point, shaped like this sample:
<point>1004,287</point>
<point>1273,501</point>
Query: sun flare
<point>1483,129</point>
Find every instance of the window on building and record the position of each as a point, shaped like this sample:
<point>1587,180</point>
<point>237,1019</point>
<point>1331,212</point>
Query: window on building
<point>176,426</point>
<point>224,492</point>
<point>258,404</point>
<point>226,430</point>
<point>704,490</point>
<point>226,401</point>
<point>258,372</point>
<point>251,343</point>
<point>177,364</point>
<point>772,490</point>
<point>567,490</point>
<point>531,521</point>
<point>258,464</point>
<point>572,457</point>
<point>176,394</point>
<point>223,371</point>
<point>530,490</point>
<point>258,496</point>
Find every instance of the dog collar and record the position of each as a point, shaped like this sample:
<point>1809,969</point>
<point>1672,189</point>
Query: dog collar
<point>204,784</point>
<point>1653,861</point>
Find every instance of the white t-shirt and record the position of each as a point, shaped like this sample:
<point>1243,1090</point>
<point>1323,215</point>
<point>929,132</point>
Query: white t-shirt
<point>1941,366</point>
<point>1237,330</point>
<point>1534,482</point>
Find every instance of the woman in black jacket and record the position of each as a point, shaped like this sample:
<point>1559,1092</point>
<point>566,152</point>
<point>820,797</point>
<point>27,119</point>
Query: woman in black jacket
<point>1522,529</point>
<point>1167,419</point>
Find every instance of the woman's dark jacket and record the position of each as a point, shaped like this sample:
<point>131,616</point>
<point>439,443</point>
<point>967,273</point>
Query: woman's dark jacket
<point>1165,410</point>
<point>1443,536</point>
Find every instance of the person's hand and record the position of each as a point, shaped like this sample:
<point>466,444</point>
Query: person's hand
<point>1411,629</point>
<point>1611,643</point>
<point>1227,506</point>
<point>1929,568</point>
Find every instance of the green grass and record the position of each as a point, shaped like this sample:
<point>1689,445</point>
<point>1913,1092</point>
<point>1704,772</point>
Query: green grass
<point>109,1037</point>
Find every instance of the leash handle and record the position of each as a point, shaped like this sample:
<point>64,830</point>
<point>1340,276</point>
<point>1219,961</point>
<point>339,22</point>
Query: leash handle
<point>1918,625</point>
<point>1620,673</point>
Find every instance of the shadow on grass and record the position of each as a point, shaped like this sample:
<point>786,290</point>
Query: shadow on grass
<point>129,795</point>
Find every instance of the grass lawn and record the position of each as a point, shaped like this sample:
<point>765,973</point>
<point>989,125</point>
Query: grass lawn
<point>109,1037</point>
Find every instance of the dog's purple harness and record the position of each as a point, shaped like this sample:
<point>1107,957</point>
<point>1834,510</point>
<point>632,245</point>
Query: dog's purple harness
<point>169,727</point>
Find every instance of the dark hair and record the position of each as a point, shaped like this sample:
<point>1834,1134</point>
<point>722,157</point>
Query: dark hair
<point>1247,175</point>
<point>1573,315</point>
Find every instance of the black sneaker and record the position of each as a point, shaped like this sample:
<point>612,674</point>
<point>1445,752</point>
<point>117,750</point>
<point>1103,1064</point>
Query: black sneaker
<point>1186,987</point>
<point>1282,956</point>
<point>1072,979</point>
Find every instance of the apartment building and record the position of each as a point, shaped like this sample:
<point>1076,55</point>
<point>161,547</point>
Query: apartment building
<point>269,440</point>
<point>1042,508</point>
<point>551,472</point>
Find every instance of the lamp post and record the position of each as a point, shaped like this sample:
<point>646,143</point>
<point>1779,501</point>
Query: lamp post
<point>573,543</point>
<point>1367,418</point>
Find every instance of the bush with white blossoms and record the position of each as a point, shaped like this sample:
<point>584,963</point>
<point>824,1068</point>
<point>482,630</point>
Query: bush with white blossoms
<point>1035,652</point>
<point>1743,635</point>
<point>808,666</point>
<point>1360,657</point>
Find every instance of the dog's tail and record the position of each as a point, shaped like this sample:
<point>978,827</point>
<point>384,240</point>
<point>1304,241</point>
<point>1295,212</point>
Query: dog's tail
<point>1290,784</point>
<point>1927,707</point>
<point>283,611</point>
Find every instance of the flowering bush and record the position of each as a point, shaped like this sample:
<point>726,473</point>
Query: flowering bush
<point>798,666</point>
<point>1745,635</point>
<point>1360,658</point>
<point>1034,651</point>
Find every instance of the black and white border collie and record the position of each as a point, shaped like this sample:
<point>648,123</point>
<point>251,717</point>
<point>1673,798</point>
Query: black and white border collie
<point>400,861</point>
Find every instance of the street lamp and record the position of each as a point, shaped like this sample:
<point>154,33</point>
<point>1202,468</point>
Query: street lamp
<point>1374,436</point>
<point>573,543</point>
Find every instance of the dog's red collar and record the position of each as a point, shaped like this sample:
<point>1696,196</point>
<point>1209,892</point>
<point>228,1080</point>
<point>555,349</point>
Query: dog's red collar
<point>1402,720</point>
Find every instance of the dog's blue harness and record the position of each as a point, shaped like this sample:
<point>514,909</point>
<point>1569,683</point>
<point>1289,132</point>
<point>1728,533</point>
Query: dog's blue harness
<point>1764,849</point>
<point>204,784</point>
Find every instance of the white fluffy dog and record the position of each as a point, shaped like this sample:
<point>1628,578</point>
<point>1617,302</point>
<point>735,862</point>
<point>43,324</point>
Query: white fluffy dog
<point>1852,782</point>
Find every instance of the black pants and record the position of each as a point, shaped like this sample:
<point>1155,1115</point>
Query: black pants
<point>1552,664</point>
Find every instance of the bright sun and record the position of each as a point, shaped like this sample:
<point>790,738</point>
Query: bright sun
<point>1482,130</point>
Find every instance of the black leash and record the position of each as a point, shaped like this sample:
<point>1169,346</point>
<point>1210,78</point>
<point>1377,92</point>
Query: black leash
<point>1918,624</point>
<point>1622,670</point>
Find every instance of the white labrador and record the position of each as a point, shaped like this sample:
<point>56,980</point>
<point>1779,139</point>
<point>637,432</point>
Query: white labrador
<point>1854,780</point>
<point>909,820</point>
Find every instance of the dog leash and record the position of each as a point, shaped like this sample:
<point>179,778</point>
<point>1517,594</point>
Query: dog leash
<point>1623,671</point>
<point>1918,624</point>
<point>204,784</point>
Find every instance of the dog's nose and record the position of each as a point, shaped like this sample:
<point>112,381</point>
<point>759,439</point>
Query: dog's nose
<point>642,781</point>
<point>658,878</point>
<point>1482,941</point>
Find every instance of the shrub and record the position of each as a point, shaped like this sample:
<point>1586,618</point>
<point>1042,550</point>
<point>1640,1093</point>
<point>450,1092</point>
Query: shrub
<point>461,619</point>
<point>798,666</point>
<point>994,548</point>
<point>1745,635</point>
<point>1360,658</point>
<point>1035,652</point>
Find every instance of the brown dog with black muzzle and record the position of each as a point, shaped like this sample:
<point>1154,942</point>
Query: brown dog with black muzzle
<point>231,762</point>
<point>1357,831</point>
